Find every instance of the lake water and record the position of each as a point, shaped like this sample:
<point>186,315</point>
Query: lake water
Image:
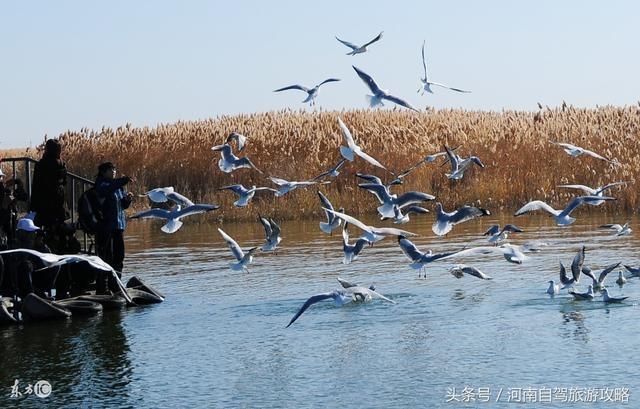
<point>219,339</point>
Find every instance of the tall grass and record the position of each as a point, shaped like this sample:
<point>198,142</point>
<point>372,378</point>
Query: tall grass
<point>521,163</point>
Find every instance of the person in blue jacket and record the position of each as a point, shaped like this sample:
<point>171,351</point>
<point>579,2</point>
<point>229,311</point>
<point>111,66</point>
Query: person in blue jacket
<point>109,235</point>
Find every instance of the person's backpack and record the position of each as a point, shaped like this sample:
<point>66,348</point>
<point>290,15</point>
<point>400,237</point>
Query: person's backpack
<point>90,211</point>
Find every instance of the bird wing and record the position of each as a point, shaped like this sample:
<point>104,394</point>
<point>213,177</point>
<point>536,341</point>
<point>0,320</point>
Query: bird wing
<point>606,271</point>
<point>239,138</point>
<point>607,187</point>
<point>424,61</point>
<point>472,271</point>
<point>266,225</point>
<point>413,197</point>
<point>346,134</point>
<point>416,209</point>
<point>312,300</point>
<point>564,279</point>
<point>495,229</point>
<point>275,228</point>
<point>399,101</point>
<point>345,283</point>
<point>409,249</point>
<point>237,189</point>
<point>157,213</point>
<point>588,190</point>
<point>246,162</point>
<point>350,219</point>
<point>177,198</point>
<point>466,213</point>
<point>392,231</point>
<point>453,159</point>
<point>595,155</point>
<point>615,227</point>
<point>512,228</point>
<point>370,178</point>
<point>576,265</point>
<point>348,44</point>
<point>296,86</point>
<point>448,87</point>
<point>195,209</point>
<point>564,145</point>
<point>375,89</point>
<point>369,159</point>
<point>411,169</point>
<point>328,80</point>
<point>577,201</point>
<point>378,37</point>
<point>536,205</point>
<point>278,181</point>
<point>233,246</point>
<point>225,151</point>
<point>380,191</point>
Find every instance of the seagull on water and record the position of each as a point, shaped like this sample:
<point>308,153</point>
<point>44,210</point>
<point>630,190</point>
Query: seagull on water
<point>371,234</point>
<point>598,191</point>
<point>242,259</point>
<point>623,230</point>
<point>598,284</point>
<point>351,251</point>
<point>564,278</point>
<point>390,201</point>
<point>621,280</point>
<point>245,194</point>
<point>355,49</point>
<point>589,295</point>
<point>460,165</point>
<point>575,151</point>
<point>459,270</point>
<point>553,288</point>
<point>230,162</point>
<point>562,217</point>
<point>611,300</point>
<point>419,258</point>
<point>333,172</point>
<point>445,221</point>
<point>312,93</point>
<point>496,235</point>
<point>426,84</point>
<point>341,297</point>
<point>351,150</point>
<point>380,94</point>
<point>271,232</point>
<point>173,216</point>
<point>332,222</point>
<point>285,186</point>
<point>53,260</point>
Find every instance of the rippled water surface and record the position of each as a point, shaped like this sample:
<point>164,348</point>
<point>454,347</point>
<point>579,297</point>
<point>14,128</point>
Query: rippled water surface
<point>219,339</point>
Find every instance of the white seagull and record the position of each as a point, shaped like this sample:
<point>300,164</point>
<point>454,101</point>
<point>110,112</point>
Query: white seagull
<point>242,259</point>
<point>285,186</point>
<point>390,201</point>
<point>460,165</point>
<point>459,270</point>
<point>230,162</point>
<point>611,300</point>
<point>271,232</point>
<point>380,94</point>
<point>598,284</point>
<point>426,84</point>
<point>589,295</point>
<point>575,151</point>
<point>351,251</point>
<point>53,260</point>
<point>598,191</point>
<point>511,253</point>
<point>623,230</point>
<point>351,150</point>
<point>355,49</point>
<point>621,280</point>
<point>371,234</point>
<point>553,288</point>
<point>164,194</point>
<point>333,172</point>
<point>446,220</point>
<point>173,216</point>
<point>562,217</point>
<point>245,194</point>
<point>496,235</point>
<point>332,222</point>
<point>419,258</point>
<point>402,218</point>
<point>312,93</point>
<point>427,159</point>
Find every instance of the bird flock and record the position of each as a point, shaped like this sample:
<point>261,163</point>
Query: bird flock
<point>395,207</point>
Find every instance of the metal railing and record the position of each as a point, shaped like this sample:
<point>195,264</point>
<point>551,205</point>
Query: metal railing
<point>73,180</point>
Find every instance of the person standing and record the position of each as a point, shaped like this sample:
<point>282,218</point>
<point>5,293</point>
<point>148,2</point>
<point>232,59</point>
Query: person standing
<point>48,190</point>
<point>109,235</point>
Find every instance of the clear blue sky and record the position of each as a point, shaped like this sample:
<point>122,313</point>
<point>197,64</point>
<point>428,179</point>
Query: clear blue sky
<point>73,64</point>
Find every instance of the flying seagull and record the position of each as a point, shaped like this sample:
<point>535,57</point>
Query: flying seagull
<point>427,159</point>
<point>460,165</point>
<point>359,49</point>
<point>402,218</point>
<point>380,94</point>
<point>240,139</point>
<point>164,194</point>
<point>242,259</point>
<point>351,251</point>
<point>426,84</point>
<point>459,270</point>
<point>245,195</point>
<point>575,151</point>
<point>371,234</point>
<point>285,186</point>
<point>332,222</point>
<point>598,284</point>
<point>446,220</point>
<point>230,162</point>
<point>562,217</point>
<point>271,232</point>
<point>173,216</point>
<point>333,172</point>
<point>351,150</point>
<point>53,260</point>
<point>419,258</point>
<point>623,230</point>
<point>496,235</point>
<point>598,191</point>
<point>312,93</point>
<point>389,201</point>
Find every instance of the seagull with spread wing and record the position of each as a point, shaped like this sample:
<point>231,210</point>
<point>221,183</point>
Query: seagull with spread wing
<point>419,258</point>
<point>446,220</point>
<point>575,151</point>
<point>332,222</point>
<point>245,194</point>
<point>230,162</point>
<point>271,232</point>
<point>286,186</point>
<point>351,251</point>
<point>460,165</point>
<point>426,84</point>
<point>242,259</point>
<point>562,217</point>
<point>352,150</point>
<point>371,234</point>
<point>598,191</point>
<point>359,49</point>
<point>380,94</point>
<point>312,93</point>
<point>173,216</point>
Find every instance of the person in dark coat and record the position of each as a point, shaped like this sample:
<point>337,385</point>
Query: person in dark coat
<point>48,190</point>
<point>109,235</point>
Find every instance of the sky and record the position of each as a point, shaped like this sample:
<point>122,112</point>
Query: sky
<point>72,64</point>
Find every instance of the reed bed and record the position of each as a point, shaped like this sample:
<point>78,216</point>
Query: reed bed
<point>521,163</point>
